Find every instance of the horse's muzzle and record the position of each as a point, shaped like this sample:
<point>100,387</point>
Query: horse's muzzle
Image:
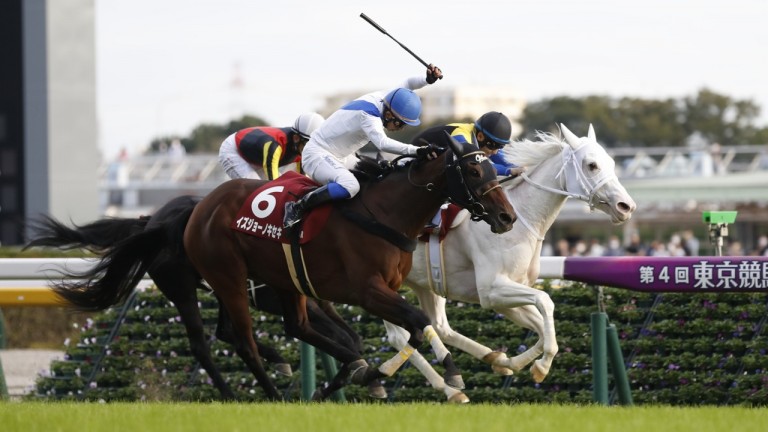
<point>502,223</point>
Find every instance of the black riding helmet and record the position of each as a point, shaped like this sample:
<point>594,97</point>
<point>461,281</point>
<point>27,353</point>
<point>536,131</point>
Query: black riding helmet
<point>497,129</point>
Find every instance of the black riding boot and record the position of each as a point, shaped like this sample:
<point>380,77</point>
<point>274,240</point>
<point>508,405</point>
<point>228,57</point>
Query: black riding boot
<point>294,211</point>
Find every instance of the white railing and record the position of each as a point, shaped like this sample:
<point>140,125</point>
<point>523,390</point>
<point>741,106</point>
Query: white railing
<point>652,162</point>
<point>25,281</point>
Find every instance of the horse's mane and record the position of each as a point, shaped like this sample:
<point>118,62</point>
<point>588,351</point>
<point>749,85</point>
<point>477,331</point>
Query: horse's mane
<point>531,153</point>
<point>368,168</point>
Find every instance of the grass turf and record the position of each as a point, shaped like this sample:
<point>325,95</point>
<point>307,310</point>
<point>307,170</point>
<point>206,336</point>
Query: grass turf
<point>421,417</point>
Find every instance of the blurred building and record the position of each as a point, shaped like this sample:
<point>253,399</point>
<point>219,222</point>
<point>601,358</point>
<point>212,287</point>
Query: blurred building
<point>139,185</point>
<point>48,152</point>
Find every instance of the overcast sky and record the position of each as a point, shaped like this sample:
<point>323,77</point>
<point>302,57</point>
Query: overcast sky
<point>164,67</point>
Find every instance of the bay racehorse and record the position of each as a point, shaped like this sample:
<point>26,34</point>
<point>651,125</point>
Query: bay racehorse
<point>359,257</point>
<point>497,271</point>
<point>124,258</point>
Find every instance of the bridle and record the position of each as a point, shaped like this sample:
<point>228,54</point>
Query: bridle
<point>573,184</point>
<point>457,190</point>
<point>577,185</point>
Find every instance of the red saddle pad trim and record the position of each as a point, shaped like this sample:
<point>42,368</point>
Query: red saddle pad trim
<point>262,213</point>
<point>447,216</point>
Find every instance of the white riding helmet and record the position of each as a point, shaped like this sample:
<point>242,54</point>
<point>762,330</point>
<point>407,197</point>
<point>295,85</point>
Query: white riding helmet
<point>306,123</point>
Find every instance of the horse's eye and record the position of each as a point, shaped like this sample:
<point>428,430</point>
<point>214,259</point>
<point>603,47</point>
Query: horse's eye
<point>474,171</point>
<point>592,166</point>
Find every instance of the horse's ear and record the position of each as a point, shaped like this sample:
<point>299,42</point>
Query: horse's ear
<point>455,145</point>
<point>591,133</point>
<point>569,136</point>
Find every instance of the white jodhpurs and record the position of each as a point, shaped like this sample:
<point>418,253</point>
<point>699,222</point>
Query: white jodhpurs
<point>324,168</point>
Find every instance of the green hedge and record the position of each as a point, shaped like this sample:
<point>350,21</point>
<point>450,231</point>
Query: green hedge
<point>695,349</point>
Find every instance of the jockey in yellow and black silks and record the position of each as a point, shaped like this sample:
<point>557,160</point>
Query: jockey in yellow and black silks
<point>493,131</point>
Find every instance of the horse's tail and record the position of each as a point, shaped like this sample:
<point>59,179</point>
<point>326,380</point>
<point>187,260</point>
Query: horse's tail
<point>114,277</point>
<point>173,218</point>
<point>95,236</point>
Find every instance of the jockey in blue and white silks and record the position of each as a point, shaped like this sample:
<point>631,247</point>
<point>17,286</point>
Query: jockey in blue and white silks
<point>348,130</point>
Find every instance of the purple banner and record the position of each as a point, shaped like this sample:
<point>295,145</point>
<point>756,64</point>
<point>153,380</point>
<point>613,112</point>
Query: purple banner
<point>672,274</point>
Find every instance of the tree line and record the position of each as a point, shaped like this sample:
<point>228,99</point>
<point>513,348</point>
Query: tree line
<point>620,122</point>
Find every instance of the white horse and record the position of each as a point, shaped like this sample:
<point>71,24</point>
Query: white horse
<point>497,271</point>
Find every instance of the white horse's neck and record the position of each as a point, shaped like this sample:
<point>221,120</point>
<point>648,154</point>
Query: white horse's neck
<point>535,207</point>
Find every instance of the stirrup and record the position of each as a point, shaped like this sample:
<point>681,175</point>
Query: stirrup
<point>289,224</point>
<point>292,215</point>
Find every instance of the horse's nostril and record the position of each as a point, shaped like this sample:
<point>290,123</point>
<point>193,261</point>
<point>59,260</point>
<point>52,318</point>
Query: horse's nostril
<point>623,207</point>
<point>506,218</point>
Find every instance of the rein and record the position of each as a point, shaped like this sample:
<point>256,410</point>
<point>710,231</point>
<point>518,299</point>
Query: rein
<point>584,189</point>
<point>460,194</point>
<point>456,191</point>
<point>429,186</point>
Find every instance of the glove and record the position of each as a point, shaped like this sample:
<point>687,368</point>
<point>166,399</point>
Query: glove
<point>429,151</point>
<point>514,172</point>
<point>433,74</point>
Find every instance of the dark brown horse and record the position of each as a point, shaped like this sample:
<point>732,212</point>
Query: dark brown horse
<point>122,244</point>
<point>360,257</point>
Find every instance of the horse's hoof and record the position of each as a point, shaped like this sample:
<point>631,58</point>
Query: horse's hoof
<point>495,359</point>
<point>283,369</point>
<point>502,370</point>
<point>458,398</point>
<point>358,369</point>
<point>537,372</point>
<point>317,396</point>
<point>376,390</point>
<point>454,381</point>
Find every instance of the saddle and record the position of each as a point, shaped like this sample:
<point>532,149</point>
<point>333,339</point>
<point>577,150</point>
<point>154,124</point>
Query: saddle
<point>447,218</point>
<point>261,215</point>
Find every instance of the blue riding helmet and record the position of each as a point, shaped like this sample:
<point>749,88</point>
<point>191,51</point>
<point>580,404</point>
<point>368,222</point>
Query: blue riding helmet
<point>405,105</point>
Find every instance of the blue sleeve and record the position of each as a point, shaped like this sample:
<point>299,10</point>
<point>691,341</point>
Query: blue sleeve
<point>499,159</point>
<point>501,164</point>
<point>501,170</point>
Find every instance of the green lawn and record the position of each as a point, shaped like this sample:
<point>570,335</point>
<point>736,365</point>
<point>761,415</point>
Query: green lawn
<point>166,417</point>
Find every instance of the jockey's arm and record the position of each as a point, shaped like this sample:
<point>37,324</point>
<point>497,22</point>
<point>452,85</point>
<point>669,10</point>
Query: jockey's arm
<point>503,166</point>
<point>374,130</point>
<point>271,163</point>
<point>414,83</point>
